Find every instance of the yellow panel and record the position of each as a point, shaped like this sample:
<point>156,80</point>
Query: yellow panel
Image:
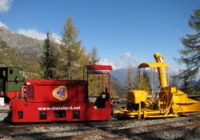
<point>136,96</point>
<point>173,89</point>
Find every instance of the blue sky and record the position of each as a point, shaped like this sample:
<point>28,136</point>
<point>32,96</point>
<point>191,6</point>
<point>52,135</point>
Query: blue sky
<point>121,30</point>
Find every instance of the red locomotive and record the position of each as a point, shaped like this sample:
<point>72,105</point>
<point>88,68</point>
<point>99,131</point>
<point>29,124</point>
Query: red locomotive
<point>57,100</point>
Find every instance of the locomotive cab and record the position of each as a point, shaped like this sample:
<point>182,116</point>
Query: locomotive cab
<point>98,78</point>
<point>11,81</point>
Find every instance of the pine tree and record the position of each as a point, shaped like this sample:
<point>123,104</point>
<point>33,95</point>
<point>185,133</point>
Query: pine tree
<point>73,55</point>
<point>48,59</point>
<point>144,82</point>
<point>191,53</point>
<point>94,59</point>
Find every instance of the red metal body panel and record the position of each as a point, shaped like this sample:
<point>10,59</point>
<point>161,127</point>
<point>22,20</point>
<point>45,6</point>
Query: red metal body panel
<point>42,90</point>
<point>31,111</point>
<point>13,94</point>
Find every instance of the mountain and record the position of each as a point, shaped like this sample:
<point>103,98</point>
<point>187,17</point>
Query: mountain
<point>29,47</point>
<point>117,87</point>
<point>122,75</point>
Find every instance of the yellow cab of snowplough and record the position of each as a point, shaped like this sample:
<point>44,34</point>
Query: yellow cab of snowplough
<point>171,101</point>
<point>136,96</point>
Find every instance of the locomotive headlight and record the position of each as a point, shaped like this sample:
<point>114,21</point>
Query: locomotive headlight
<point>28,83</point>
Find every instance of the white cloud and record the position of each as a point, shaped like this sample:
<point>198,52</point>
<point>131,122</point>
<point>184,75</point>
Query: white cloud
<point>4,25</point>
<point>122,62</point>
<point>129,58</point>
<point>5,5</point>
<point>126,56</point>
<point>106,61</point>
<point>56,38</point>
<point>34,33</point>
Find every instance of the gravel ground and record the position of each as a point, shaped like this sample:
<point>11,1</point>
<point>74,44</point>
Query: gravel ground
<point>186,128</point>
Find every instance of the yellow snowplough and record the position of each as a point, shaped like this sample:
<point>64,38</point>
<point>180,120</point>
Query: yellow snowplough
<point>168,102</point>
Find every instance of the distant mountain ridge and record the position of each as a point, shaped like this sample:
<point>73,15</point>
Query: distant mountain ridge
<point>118,87</point>
<point>29,47</point>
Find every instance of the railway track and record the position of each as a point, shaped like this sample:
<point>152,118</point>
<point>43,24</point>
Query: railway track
<point>173,128</point>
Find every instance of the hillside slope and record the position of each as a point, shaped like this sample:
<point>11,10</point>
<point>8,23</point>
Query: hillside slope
<point>10,58</point>
<point>29,47</point>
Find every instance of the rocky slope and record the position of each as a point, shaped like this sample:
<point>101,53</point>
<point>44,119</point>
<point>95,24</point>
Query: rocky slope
<point>29,47</point>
